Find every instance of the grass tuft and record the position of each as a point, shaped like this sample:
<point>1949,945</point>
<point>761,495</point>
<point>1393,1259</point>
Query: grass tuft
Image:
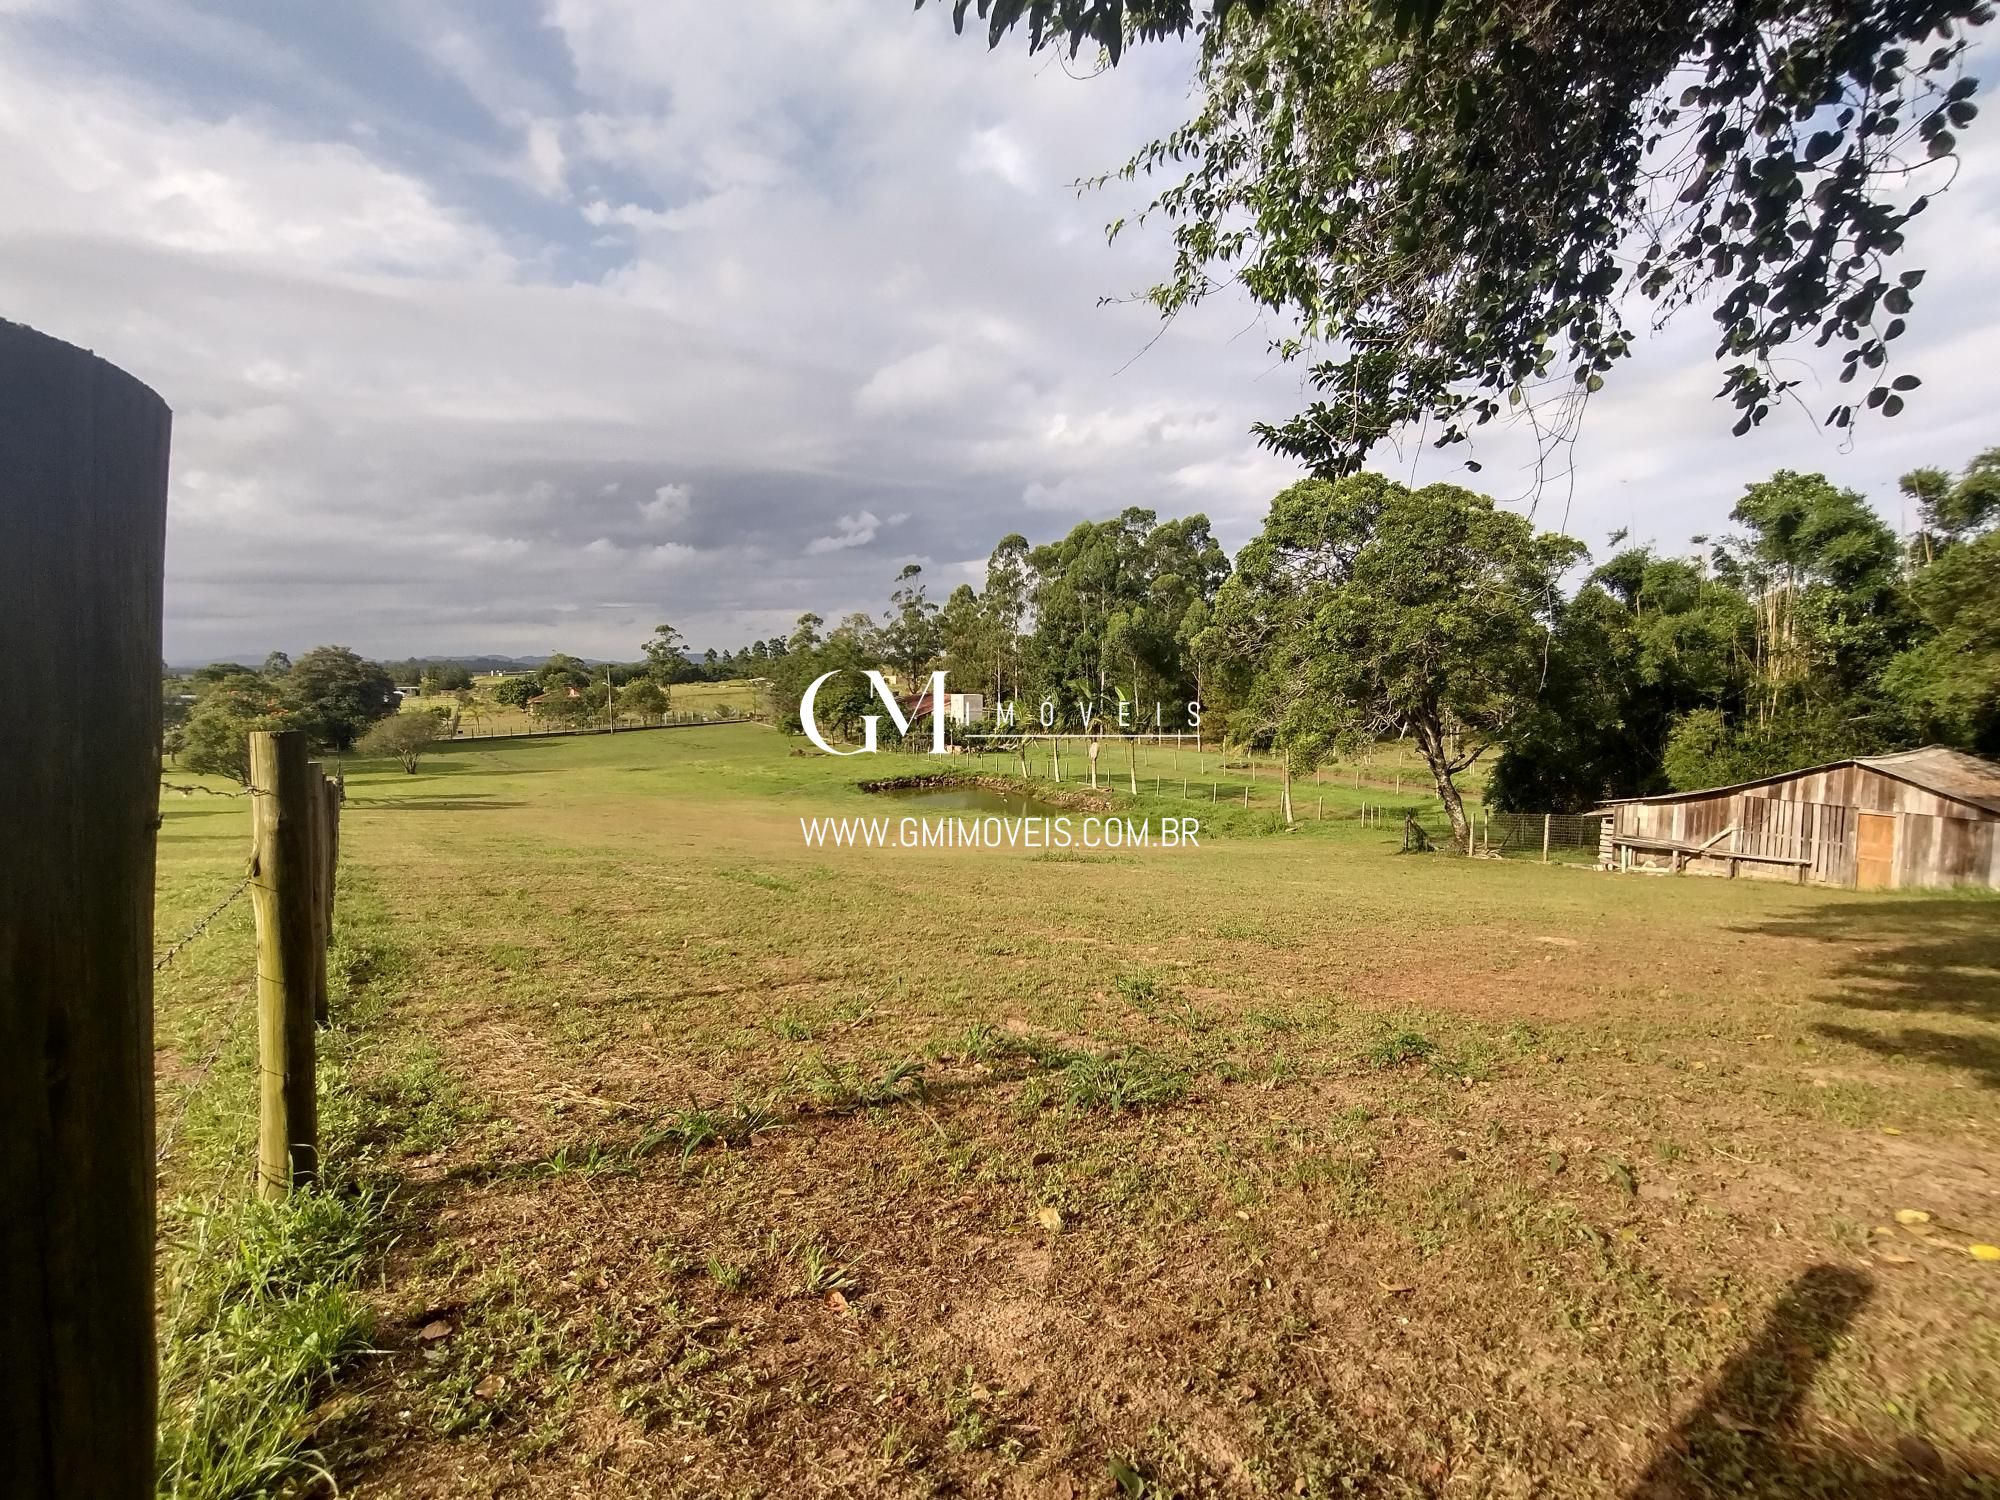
<point>1399,1047</point>
<point>261,1311</point>
<point>1132,1079</point>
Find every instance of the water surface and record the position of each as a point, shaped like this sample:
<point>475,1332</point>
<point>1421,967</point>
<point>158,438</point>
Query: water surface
<point>971,799</point>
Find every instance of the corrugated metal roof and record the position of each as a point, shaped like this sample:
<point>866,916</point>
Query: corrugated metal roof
<point>1949,773</point>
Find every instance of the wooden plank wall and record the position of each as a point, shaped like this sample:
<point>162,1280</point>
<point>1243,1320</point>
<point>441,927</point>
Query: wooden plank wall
<point>1933,852</point>
<point>1937,843</point>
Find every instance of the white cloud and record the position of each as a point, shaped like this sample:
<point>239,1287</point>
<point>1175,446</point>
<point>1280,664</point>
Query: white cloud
<point>931,377</point>
<point>995,151</point>
<point>668,506</point>
<point>850,531</point>
<point>542,157</point>
<point>103,163</point>
<point>430,357</point>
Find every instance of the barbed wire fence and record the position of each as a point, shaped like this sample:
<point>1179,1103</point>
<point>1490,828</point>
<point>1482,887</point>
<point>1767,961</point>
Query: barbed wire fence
<point>291,877</point>
<point>233,1023</point>
<point>174,949</point>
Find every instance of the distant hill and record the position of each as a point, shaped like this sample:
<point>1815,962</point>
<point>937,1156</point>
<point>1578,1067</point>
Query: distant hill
<point>473,664</point>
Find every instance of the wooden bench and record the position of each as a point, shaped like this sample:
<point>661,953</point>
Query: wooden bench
<point>1680,853</point>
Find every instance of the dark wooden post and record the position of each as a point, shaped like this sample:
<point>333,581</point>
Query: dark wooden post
<point>283,793</point>
<point>83,497</point>
<point>332,791</point>
<point>322,892</point>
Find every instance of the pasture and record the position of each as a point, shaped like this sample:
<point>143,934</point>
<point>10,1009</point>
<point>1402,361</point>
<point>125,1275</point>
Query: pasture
<point>683,1159</point>
<point>486,716</point>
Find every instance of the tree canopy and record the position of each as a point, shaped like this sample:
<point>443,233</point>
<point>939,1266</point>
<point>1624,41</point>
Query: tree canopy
<point>1450,203</point>
<point>1366,610</point>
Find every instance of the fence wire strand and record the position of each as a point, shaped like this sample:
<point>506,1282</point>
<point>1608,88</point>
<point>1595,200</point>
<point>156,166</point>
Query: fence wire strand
<point>202,926</point>
<point>199,1075</point>
<point>191,1086</point>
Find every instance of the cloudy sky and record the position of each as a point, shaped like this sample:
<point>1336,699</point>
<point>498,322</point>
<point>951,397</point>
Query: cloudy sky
<point>518,327</point>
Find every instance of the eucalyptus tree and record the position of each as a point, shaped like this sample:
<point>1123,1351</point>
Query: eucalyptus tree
<point>1949,680</point>
<point>1111,601</point>
<point>909,637</point>
<point>969,637</point>
<point>1951,508</point>
<point>1009,582</point>
<point>1820,567</point>
<point>666,655</point>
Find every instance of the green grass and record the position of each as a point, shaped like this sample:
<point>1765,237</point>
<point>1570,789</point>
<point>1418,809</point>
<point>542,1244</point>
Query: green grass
<point>263,1304</point>
<point>262,1311</point>
<point>1377,1174</point>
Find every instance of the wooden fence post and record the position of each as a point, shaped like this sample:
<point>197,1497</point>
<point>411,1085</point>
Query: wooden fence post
<point>335,794</point>
<point>282,795</point>
<point>83,497</point>
<point>316,821</point>
<point>1545,837</point>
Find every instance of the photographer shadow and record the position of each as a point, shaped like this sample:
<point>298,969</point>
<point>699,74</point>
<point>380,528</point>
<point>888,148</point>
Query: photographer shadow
<point>1744,1439</point>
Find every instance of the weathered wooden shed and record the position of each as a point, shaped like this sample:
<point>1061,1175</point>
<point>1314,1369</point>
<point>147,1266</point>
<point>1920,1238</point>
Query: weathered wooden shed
<point>1927,817</point>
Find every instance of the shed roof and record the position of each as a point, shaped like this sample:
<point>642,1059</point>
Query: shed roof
<point>1949,773</point>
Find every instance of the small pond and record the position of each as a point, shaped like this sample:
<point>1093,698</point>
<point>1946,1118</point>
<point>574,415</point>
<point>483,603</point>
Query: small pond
<point>970,799</point>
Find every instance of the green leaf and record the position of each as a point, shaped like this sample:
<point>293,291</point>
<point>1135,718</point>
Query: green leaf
<point>1127,1478</point>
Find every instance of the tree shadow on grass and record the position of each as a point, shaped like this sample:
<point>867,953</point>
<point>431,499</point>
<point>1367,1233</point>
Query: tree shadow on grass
<point>469,802</point>
<point>1929,956</point>
<point>1940,955</point>
<point>1944,1049</point>
<point>819,1097</point>
<point>1743,1438</point>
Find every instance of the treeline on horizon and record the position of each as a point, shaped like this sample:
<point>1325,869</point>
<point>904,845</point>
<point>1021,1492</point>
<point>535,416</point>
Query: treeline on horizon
<point>1365,610</point>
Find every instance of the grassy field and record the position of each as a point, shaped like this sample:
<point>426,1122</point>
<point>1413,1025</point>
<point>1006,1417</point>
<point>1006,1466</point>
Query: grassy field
<point>484,716</point>
<point>673,1157</point>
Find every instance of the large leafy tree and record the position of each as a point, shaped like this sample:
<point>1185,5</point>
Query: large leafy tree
<point>1450,201</point>
<point>1371,609</point>
<point>1949,681</point>
<point>1950,509</point>
<point>1645,640</point>
<point>666,657</point>
<point>968,634</point>
<point>336,695</point>
<point>1821,570</point>
<point>229,708</point>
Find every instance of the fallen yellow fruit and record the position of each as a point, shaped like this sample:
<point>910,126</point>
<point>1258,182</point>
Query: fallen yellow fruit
<point>1912,1216</point>
<point>1983,1252</point>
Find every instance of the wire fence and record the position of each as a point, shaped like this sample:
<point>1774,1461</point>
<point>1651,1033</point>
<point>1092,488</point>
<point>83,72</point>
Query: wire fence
<point>1525,833</point>
<point>624,726</point>
<point>174,949</point>
<point>292,877</point>
<point>198,1075</point>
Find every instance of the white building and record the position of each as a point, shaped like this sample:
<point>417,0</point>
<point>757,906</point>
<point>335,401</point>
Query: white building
<point>964,708</point>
